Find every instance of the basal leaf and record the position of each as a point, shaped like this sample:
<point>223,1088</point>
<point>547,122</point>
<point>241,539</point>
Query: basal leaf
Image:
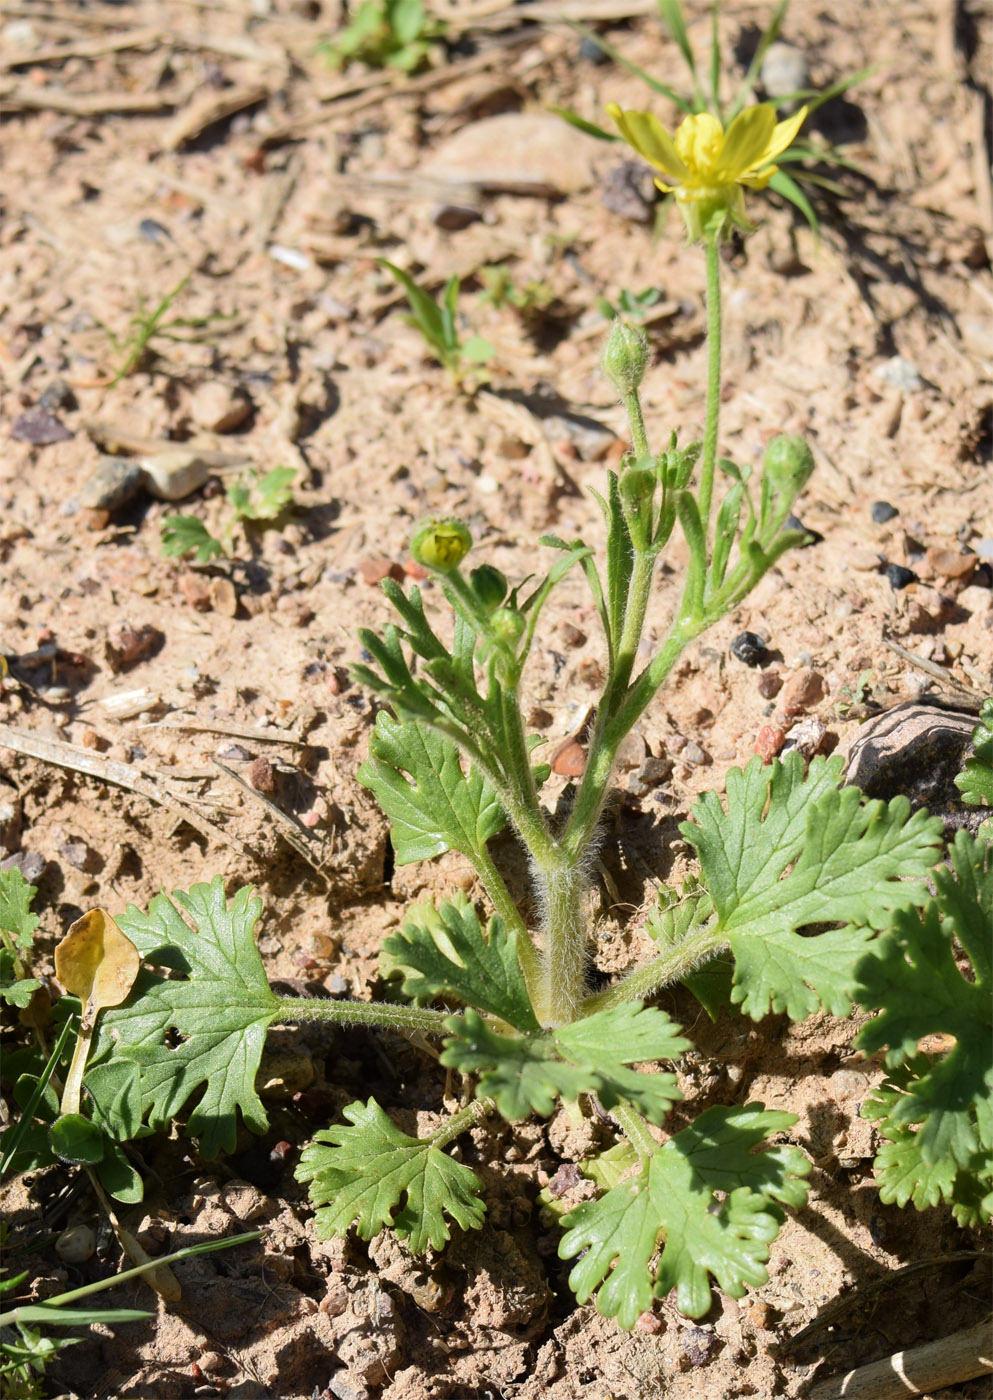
<point>975,782</point>
<point>530,1073</point>
<point>219,1011</point>
<point>709,1198</point>
<point>417,778</point>
<point>793,851</point>
<point>937,1111</point>
<point>361,1174</point>
<point>15,907</point>
<point>444,951</point>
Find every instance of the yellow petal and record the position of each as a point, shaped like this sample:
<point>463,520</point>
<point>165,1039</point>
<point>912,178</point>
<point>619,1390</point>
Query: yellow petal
<point>699,142</point>
<point>759,179</point>
<point>648,136</point>
<point>784,134</point>
<point>746,145</point>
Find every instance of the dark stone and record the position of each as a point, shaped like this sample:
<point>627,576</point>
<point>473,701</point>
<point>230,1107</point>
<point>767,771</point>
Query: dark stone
<point>58,395</point>
<point>38,426</point>
<point>899,576</point>
<point>914,749</point>
<point>591,52</point>
<point>749,648</point>
<point>793,522</point>
<point>881,511</point>
<point>153,231</point>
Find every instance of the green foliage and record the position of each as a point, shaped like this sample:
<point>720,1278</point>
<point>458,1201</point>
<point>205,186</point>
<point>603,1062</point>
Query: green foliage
<point>258,497</point>
<point>438,807</point>
<point>385,34</point>
<point>975,782</point>
<point>499,291</point>
<point>634,306</point>
<point>706,96</point>
<point>709,1198</point>
<point>187,534</point>
<point>444,952</point>
<point>254,499</point>
<point>17,926</point>
<point>936,1111</point>
<point>793,851</point>
<point>360,1175</point>
<point>528,1073</point>
<point>147,325</point>
<point>220,1006</point>
<point>437,322</point>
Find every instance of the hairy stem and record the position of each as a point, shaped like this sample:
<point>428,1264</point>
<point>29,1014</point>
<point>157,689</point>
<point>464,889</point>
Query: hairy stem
<point>460,1123</point>
<point>636,1130</point>
<point>709,454</point>
<point>503,904</point>
<point>563,888</point>
<point>671,966</point>
<point>363,1013</point>
<point>636,419</point>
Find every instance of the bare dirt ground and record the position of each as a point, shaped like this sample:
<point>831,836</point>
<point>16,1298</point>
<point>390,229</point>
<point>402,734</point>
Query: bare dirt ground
<point>145,143</point>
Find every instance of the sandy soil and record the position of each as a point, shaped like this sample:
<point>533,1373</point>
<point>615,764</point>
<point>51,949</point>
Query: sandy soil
<point>154,141</point>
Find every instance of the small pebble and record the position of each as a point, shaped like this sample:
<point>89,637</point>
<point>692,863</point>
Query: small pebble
<point>569,760</point>
<point>38,426</point>
<point>373,571</point>
<point>803,689</point>
<point>694,755</point>
<point>58,395</point>
<point>591,52</point>
<point>770,684</point>
<point>807,737</point>
<point>153,232</point>
<point>261,774</point>
<point>901,374</point>
<point>949,563</point>
<point>881,511</point>
<point>769,741</point>
<point>76,1245</point>
<point>793,522</point>
<point>127,645</point>
<point>573,636</point>
<point>899,576</point>
<point>866,561</point>
<point>749,648</point>
<point>784,70</point>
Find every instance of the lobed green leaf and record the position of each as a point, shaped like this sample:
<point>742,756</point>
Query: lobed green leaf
<point>361,1174</point>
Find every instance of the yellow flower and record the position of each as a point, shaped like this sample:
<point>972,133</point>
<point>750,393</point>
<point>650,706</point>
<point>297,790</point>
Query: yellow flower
<point>708,166</point>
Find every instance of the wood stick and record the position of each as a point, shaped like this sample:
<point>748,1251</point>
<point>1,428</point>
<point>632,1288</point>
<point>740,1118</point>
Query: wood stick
<point>85,104</point>
<point>959,1357</point>
<point>86,48</point>
<point>231,731</point>
<point>110,770</point>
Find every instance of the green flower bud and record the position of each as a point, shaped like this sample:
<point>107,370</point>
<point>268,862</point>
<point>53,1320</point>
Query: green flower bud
<point>507,625</point>
<point>788,464</point>
<point>489,586</point>
<point>440,544</point>
<point>625,357</point>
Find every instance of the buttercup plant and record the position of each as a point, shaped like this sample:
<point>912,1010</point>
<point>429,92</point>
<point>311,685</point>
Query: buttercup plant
<point>799,877</point>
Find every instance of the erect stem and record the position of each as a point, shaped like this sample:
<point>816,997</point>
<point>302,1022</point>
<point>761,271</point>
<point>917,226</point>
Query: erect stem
<point>709,455</point>
<point>636,419</point>
<point>363,1013</point>
<point>503,904</point>
<point>671,966</point>
<point>563,884</point>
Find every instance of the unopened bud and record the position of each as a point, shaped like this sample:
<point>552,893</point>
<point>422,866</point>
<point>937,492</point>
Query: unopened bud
<point>489,586</point>
<point>625,357</point>
<point>788,464</point>
<point>440,544</point>
<point>507,625</point>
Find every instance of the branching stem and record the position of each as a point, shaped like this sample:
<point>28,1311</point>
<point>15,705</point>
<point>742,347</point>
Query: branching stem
<point>363,1013</point>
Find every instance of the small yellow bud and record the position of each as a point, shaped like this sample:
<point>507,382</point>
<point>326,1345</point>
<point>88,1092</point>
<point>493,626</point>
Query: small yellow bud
<point>440,544</point>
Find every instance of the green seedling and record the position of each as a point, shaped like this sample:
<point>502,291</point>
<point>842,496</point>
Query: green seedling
<point>24,1357</point>
<point>499,291</point>
<point>398,34</point>
<point>255,499</point>
<point>804,157</point>
<point>632,306</point>
<point>149,325</point>
<point>438,325</point>
<point>17,926</point>
<point>975,782</point>
<point>807,895</point>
